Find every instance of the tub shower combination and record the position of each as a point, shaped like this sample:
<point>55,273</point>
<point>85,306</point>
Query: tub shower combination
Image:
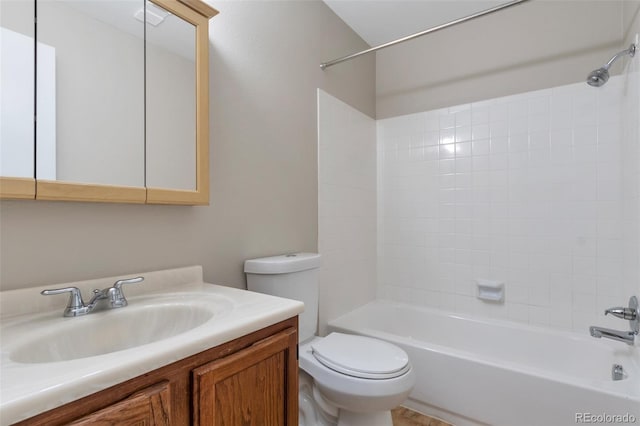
<point>479,371</point>
<point>473,371</point>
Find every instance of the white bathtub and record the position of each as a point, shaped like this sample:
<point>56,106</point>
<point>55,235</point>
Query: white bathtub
<point>476,371</point>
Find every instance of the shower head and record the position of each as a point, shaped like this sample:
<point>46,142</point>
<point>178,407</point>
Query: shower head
<point>599,77</point>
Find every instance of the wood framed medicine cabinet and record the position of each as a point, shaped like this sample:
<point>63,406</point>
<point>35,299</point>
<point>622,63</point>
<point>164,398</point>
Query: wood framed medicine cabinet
<point>146,189</point>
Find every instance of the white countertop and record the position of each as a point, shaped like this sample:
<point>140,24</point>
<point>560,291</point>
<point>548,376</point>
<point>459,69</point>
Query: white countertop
<point>27,389</point>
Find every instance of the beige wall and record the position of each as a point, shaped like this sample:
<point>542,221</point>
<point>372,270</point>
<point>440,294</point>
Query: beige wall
<point>536,45</point>
<point>264,75</point>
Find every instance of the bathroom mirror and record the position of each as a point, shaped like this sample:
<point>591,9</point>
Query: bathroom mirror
<point>94,140</point>
<point>173,178</point>
<point>17,175</point>
<point>170,100</point>
<point>91,76</point>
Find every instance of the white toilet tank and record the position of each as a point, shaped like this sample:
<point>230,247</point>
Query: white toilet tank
<point>294,276</point>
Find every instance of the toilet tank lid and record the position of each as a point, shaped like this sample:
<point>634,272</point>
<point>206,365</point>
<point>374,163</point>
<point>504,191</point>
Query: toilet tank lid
<point>282,264</point>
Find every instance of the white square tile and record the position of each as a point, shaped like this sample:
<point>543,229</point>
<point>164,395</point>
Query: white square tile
<point>499,144</point>
<point>463,134</point>
<point>463,149</point>
<point>498,112</point>
<point>499,162</point>
<point>539,140</point>
<point>539,315</point>
<point>518,160</point>
<point>560,113</point>
<point>447,166</point>
<point>463,118</point>
<point>585,109</point>
<point>561,137</point>
<point>538,123</point>
<point>560,155</point>
<point>463,165</point>
<point>519,142</point>
<point>518,125</point>
<point>539,105</point>
<point>447,195</point>
<point>609,134</point>
<point>479,114</point>
<point>431,153</point>
<point>499,129</point>
<point>480,147</point>
<point>432,137</point>
<point>585,135</point>
<point>448,181</point>
<point>480,163</point>
<point>447,136</point>
<point>447,121</point>
<point>447,151</point>
<point>480,131</point>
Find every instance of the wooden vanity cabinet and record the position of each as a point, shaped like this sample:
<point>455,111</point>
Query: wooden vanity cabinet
<point>249,387</point>
<point>252,380</point>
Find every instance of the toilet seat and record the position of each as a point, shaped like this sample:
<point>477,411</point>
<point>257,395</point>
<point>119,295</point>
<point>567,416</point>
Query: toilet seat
<point>361,357</point>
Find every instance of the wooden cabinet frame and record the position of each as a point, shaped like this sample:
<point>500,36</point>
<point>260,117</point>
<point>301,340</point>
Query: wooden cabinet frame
<point>198,14</point>
<point>17,188</point>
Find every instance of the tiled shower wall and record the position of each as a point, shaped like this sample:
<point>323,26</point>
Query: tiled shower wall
<point>538,190</point>
<point>631,179</point>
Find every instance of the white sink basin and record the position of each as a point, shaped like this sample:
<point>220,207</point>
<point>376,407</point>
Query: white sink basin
<point>113,330</point>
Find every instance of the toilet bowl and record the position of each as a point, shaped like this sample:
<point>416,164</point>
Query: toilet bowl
<point>361,387</point>
<point>345,380</point>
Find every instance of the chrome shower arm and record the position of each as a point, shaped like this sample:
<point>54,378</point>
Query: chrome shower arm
<point>631,51</point>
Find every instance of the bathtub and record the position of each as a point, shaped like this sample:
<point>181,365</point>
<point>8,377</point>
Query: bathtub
<point>478,371</point>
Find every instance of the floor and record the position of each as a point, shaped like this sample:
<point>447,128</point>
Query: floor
<point>405,417</point>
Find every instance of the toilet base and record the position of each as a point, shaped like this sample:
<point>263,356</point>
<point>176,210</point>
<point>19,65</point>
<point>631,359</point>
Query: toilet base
<point>376,418</point>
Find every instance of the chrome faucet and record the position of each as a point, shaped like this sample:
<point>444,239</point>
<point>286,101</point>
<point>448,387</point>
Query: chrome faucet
<point>627,337</point>
<point>76,307</point>
<point>631,313</point>
<point>622,313</point>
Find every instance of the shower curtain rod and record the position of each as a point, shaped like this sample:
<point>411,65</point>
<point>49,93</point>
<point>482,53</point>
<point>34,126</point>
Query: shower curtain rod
<point>328,64</point>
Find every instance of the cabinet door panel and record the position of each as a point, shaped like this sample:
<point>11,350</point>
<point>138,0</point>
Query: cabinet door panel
<point>256,386</point>
<point>150,406</point>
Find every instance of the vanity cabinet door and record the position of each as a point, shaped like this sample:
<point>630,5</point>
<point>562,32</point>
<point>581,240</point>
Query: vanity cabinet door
<point>255,386</point>
<point>150,406</point>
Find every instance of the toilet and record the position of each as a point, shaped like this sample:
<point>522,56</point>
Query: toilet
<point>345,380</point>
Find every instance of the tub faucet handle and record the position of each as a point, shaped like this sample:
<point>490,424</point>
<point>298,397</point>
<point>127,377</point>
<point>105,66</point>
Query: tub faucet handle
<point>622,313</point>
<point>631,314</point>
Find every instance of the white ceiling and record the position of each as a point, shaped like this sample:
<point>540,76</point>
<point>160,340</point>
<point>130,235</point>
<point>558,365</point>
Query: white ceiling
<point>380,21</point>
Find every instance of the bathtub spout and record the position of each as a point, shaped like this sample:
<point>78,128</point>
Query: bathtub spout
<point>627,337</point>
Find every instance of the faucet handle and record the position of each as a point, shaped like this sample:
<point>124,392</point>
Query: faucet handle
<point>117,296</point>
<point>622,313</point>
<point>75,298</point>
<point>118,284</point>
<point>632,314</point>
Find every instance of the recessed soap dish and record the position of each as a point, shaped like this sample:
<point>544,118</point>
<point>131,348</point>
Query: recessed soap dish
<point>490,290</point>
